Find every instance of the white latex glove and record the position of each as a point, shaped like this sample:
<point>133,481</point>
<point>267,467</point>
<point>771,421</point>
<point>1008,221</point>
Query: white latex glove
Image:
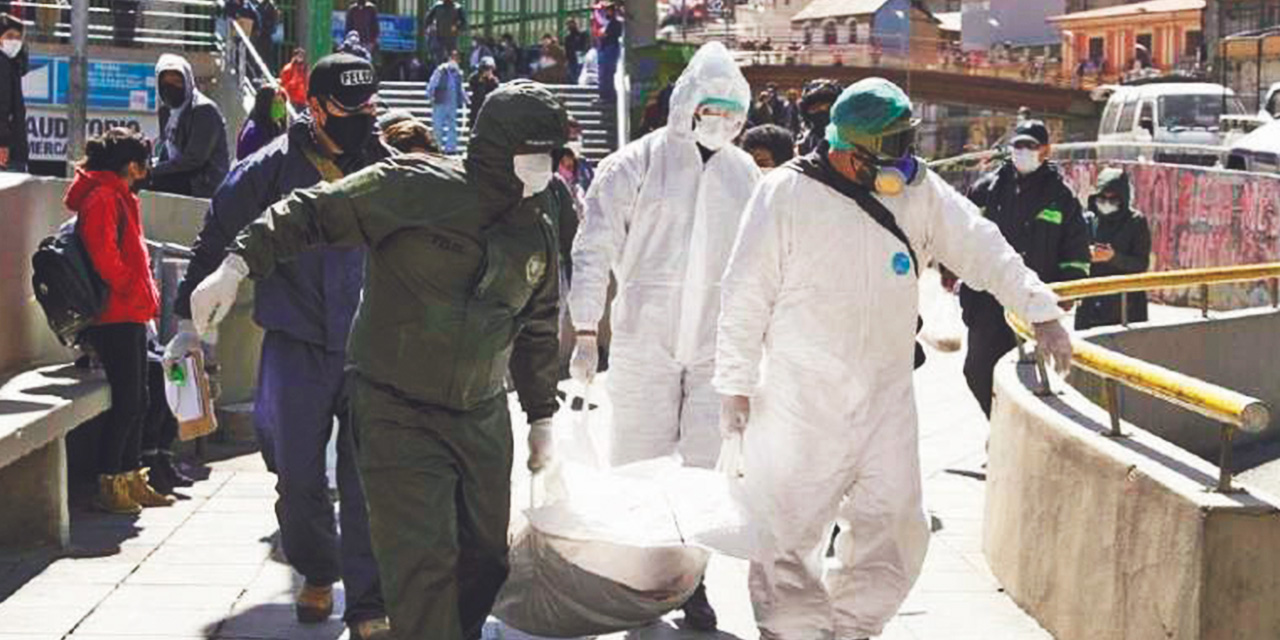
<point>212,299</point>
<point>586,358</point>
<point>1053,343</point>
<point>735,411</point>
<point>541,445</point>
<point>184,342</point>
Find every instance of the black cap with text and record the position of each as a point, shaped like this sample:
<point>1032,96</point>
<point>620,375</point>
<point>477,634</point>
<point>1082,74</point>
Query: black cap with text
<point>348,81</point>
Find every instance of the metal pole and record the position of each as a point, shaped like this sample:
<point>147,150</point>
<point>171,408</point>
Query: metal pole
<point>1111,393</point>
<point>78,98</point>
<point>1275,293</point>
<point>1224,460</point>
<point>1204,300</point>
<point>1124,310</point>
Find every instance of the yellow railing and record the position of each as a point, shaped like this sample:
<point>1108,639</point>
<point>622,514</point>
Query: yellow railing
<point>1233,409</point>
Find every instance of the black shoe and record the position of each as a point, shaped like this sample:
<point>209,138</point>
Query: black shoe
<point>159,478</point>
<point>176,476</point>
<point>698,614</point>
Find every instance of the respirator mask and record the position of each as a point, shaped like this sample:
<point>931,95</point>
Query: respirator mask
<point>884,163</point>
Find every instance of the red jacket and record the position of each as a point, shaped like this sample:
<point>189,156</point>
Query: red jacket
<point>294,78</point>
<point>110,224</point>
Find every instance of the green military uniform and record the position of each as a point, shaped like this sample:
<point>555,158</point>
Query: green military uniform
<point>461,284</point>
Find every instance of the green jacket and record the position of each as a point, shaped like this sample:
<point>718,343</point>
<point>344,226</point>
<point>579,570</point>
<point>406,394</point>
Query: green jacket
<point>461,281</point>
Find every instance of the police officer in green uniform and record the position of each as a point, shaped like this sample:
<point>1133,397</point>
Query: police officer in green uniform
<point>461,284</point>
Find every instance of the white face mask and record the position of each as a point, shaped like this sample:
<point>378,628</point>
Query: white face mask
<point>714,132</point>
<point>534,171</point>
<point>1026,160</point>
<point>1106,207</point>
<point>11,47</point>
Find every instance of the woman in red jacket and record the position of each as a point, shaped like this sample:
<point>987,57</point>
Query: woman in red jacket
<point>110,225</point>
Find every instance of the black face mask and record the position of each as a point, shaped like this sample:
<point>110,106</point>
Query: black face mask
<point>172,96</point>
<point>818,120</point>
<point>350,133</point>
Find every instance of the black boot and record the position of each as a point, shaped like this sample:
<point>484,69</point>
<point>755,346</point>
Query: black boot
<point>179,478</point>
<point>698,614</point>
<point>158,478</point>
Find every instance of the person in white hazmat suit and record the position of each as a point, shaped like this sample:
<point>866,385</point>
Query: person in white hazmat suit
<point>825,296</point>
<point>661,215</point>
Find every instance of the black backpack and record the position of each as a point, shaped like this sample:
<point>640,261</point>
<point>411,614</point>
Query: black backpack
<point>66,284</point>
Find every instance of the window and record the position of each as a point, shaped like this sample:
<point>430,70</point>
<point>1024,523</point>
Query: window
<point>1144,39</point>
<point>1109,117</point>
<point>853,31</point>
<point>829,35</point>
<point>1148,113</point>
<point>1127,116</point>
<point>1193,46</point>
<point>1096,48</point>
<point>1200,111</point>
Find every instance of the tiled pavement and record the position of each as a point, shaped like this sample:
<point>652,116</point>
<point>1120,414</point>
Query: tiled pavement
<point>204,568</point>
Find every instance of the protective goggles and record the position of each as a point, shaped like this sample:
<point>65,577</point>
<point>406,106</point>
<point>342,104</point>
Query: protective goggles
<point>719,107</point>
<point>894,143</point>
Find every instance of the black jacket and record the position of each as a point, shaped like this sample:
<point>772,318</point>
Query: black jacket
<point>200,137</point>
<point>1041,218</point>
<point>13,108</point>
<point>1129,235</point>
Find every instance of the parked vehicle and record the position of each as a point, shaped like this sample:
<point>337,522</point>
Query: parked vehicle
<point>1259,151</point>
<point>1164,113</point>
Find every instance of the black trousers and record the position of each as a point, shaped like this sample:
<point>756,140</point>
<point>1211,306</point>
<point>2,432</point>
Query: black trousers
<point>989,339</point>
<point>122,349</point>
<point>161,427</point>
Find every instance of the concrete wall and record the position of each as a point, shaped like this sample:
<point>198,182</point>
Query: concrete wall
<point>32,209</point>
<point>1117,539</point>
<point>1218,351</point>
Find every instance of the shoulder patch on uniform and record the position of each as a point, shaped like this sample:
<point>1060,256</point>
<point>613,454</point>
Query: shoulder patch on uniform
<point>535,268</point>
<point>1052,216</point>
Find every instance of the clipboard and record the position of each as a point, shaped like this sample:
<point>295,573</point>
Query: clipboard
<point>186,388</point>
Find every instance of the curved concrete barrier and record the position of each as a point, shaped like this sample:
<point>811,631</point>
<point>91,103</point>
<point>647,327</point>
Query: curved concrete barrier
<point>1121,538</point>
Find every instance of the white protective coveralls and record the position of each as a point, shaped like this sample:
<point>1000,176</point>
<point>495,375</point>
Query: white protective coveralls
<point>664,223</point>
<point>826,299</point>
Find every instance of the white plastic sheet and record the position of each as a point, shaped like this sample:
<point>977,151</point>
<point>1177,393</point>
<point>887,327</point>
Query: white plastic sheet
<point>607,550</point>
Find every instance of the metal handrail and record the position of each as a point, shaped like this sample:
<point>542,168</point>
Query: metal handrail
<point>1232,409</point>
<point>246,45</point>
<point>1066,148</point>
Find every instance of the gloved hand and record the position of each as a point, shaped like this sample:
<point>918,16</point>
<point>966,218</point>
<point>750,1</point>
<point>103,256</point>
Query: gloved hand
<point>586,358</point>
<point>950,281</point>
<point>212,299</point>
<point>1053,342</point>
<point>184,342</point>
<point>735,411</point>
<point>541,445</point>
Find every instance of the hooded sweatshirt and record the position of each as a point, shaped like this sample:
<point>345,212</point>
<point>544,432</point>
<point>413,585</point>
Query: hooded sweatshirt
<point>110,226</point>
<point>1129,235</point>
<point>193,137</point>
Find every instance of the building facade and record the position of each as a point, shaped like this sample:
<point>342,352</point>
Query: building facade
<point>1106,40</point>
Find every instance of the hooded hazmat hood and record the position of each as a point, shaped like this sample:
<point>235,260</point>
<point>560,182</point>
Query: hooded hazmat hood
<point>711,74</point>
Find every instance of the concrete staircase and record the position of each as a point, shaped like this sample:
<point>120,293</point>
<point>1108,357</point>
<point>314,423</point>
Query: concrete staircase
<point>599,124</point>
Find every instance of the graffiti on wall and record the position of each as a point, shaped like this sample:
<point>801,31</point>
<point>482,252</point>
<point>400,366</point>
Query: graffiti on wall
<point>1201,217</point>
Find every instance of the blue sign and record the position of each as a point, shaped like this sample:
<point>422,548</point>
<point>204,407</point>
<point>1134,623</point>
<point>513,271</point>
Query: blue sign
<point>395,33</point>
<point>116,86</point>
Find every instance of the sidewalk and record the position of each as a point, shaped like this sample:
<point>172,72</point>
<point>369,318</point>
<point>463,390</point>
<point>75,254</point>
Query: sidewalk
<point>204,568</point>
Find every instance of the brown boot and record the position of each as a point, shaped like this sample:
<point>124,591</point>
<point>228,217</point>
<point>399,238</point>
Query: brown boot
<point>375,629</point>
<point>314,603</point>
<point>114,497</point>
<point>143,493</point>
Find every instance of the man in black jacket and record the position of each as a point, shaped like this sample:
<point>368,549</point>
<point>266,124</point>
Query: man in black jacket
<point>191,155</point>
<point>1040,217</point>
<point>13,108</point>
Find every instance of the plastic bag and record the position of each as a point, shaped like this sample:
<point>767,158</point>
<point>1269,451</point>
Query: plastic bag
<point>608,550</point>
